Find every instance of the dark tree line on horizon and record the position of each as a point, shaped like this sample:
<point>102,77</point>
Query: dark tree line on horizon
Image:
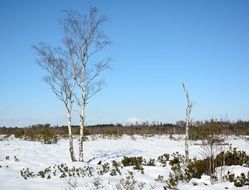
<point>239,127</point>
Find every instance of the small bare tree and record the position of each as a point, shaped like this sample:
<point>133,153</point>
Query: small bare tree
<point>188,114</point>
<point>60,72</point>
<point>85,38</point>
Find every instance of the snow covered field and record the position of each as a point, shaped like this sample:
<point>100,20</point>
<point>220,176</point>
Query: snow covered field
<point>16,154</point>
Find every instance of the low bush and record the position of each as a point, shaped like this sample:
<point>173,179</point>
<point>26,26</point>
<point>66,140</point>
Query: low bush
<point>178,167</point>
<point>19,134</point>
<point>104,168</point>
<point>43,133</point>
<point>196,168</point>
<point>163,159</point>
<point>86,132</point>
<point>233,157</point>
<point>136,162</point>
<point>116,168</point>
<point>48,136</point>
<point>113,133</point>
<point>61,170</point>
<point>239,181</point>
<point>129,183</point>
<point>151,162</point>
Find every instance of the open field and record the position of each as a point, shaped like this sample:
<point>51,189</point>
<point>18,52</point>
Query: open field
<point>17,154</point>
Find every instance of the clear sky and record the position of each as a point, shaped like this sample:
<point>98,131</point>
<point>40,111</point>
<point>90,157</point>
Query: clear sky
<point>156,44</point>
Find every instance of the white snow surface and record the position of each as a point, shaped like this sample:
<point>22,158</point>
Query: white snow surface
<point>37,156</point>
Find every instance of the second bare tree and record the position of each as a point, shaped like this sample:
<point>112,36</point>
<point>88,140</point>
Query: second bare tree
<point>188,114</point>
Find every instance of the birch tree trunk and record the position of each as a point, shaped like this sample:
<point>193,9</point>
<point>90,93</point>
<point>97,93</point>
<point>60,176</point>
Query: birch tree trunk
<point>82,124</point>
<point>70,136</point>
<point>187,139</point>
<point>188,113</point>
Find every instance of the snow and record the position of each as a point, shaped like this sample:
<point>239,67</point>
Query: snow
<point>37,156</point>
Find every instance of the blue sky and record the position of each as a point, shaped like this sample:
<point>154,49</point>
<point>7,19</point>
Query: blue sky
<point>156,44</point>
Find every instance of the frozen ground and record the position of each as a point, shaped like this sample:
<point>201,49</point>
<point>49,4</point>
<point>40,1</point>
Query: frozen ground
<point>37,156</point>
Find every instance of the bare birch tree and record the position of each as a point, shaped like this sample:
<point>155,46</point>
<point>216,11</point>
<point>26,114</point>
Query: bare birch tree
<point>85,39</point>
<point>188,115</point>
<point>60,72</point>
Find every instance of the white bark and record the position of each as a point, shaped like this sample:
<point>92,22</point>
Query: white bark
<point>70,136</point>
<point>188,114</point>
<point>86,39</point>
<point>60,79</point>
<point>81,139</point>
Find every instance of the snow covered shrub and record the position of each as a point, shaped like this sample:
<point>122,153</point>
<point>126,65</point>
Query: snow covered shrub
<point>229,176</point>
<point>176,161</point>
<point>26,173</point>
<point>160,179</point>
<point>41,174</point>
<point>129,183</point>
<point>233,157</point>
<point>171,137</point>
<point>182,171</point>
<point>71,183</point>
<point>196,168</point>
<point>16,159</point>
<point>172,182</point>
<point>247,179</point>
<point>136,162</point>
<point>104,168</point>
<point>131,161</point>
<point>239,181</point>
<point>61,170</point>
<point>151,162</point>
<point>163,159</point>
<point>5,137</point>
<point>116,168</point>
<point>97,183</point>
<point>179,172</point>
<point>133,137</point>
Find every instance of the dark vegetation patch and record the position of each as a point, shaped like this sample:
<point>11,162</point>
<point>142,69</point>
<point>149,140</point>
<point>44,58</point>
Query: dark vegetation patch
<point>117,130</point>
<point>43,133</point>
<point>196,168</point>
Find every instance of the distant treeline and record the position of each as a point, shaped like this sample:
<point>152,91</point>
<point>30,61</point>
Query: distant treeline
<point>225,127</point>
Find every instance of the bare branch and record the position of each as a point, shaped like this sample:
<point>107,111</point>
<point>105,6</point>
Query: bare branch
<point>60,77</point>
